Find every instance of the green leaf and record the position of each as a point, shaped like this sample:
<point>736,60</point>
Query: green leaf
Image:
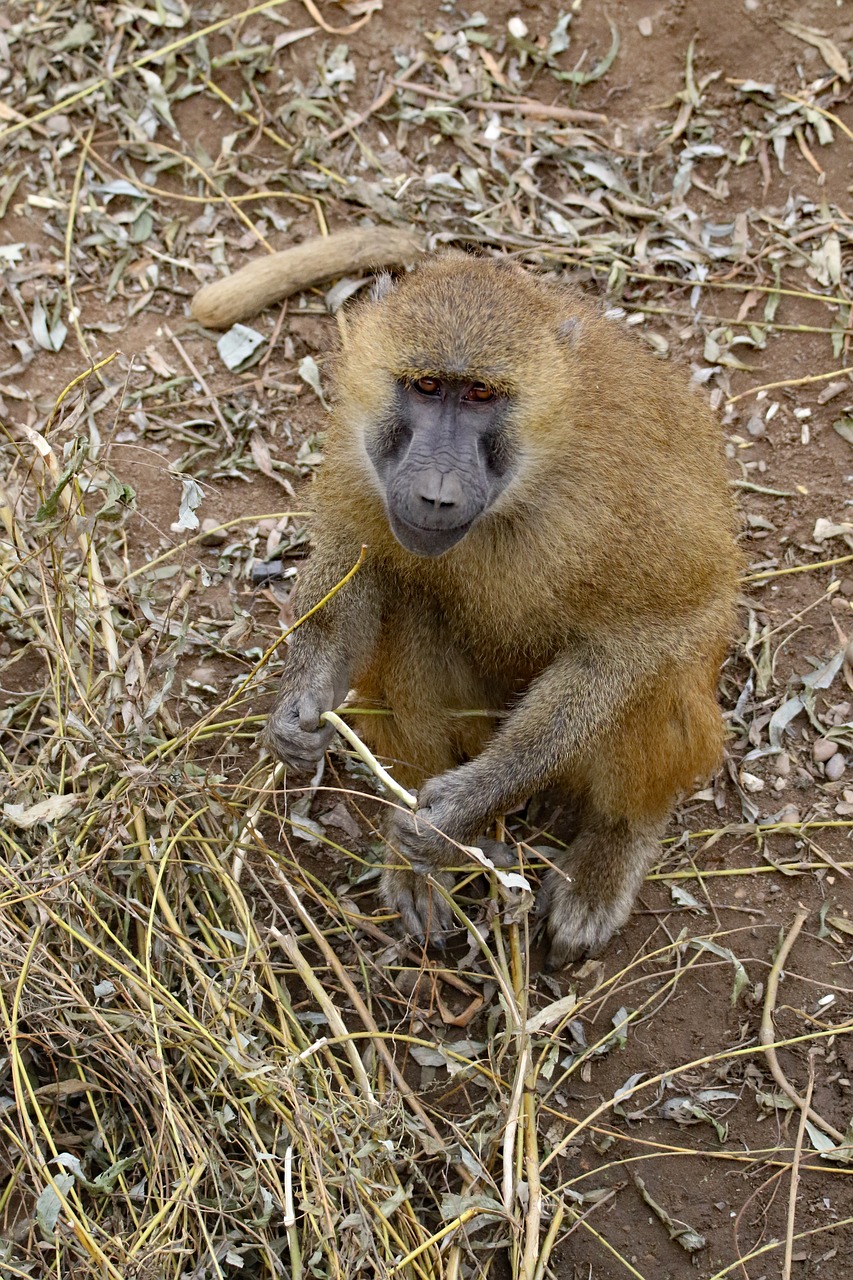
<point>310,373</point>
<point>48,509</point>
<point>191,497</point>
<point>118,498</point>
<point>49,334</point>
<point>725,953</point>
<point>49,1204</point>
<point>599,70</point>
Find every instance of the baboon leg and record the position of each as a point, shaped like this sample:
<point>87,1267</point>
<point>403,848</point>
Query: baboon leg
<point>627,789</point>
<point>590,893</point>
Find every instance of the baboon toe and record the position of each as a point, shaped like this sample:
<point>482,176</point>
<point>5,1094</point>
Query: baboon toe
<point>425,914</point>
<point>578,929</point>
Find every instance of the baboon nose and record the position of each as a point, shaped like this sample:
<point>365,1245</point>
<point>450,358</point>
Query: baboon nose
<point>439,489</point>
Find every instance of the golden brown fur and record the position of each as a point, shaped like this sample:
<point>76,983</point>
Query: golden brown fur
<point>592,602</point>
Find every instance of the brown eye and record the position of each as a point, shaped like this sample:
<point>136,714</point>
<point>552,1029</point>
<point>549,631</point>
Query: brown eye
<point>428,386</point>
<point>480,392</point>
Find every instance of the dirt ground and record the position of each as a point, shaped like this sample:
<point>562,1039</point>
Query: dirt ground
<point>708,1139</point>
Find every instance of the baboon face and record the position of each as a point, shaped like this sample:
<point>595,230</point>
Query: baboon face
<point>443,455</point>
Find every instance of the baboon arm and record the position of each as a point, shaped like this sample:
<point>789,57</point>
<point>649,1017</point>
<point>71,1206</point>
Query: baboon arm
<point>324,652</point>
<point>564,711</point>
<point>344,631</point>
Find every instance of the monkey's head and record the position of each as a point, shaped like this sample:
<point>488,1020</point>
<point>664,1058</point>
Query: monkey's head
<point>431,387</point>
<point>442,456</point>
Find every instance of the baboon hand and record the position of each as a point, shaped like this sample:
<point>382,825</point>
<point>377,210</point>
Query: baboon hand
<point>425,913</point>
<point>418,838</point>
<point>295,732</point>
<point>449,814</point>
<point>429,836</point>
<point>429,839</point>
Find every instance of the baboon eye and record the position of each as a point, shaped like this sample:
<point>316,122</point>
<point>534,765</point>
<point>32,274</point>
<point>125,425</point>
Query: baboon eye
<point>428,386</point>
<point>480,392</point>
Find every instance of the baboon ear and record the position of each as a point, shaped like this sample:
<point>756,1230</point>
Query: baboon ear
<point>569,330</point>
<point>382,285</point>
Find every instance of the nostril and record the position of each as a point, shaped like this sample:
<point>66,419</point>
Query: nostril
<point>439,490</point>
<point>437,502</point>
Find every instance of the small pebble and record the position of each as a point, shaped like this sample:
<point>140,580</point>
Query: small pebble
<point>412,985</point>
<point>751,783</point>
<point>211,535</point>
<point>782,764</point>
<point>645,26</point>
<point>835,766</point>
<point>266,570</point>
<point>204,674</point>
<point>517,28</point>
<point>823,749</point>
<point>789,814</point>
<point>58,125</point>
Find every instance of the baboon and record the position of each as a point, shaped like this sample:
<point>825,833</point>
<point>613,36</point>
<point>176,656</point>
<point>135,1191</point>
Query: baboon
<point>549,535</point>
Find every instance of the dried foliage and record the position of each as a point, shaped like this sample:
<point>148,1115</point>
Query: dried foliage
<point>217,1058</point>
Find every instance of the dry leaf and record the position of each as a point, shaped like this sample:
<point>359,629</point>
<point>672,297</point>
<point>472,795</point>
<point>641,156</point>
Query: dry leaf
<point>49,810</point>
<point>829,51</point>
